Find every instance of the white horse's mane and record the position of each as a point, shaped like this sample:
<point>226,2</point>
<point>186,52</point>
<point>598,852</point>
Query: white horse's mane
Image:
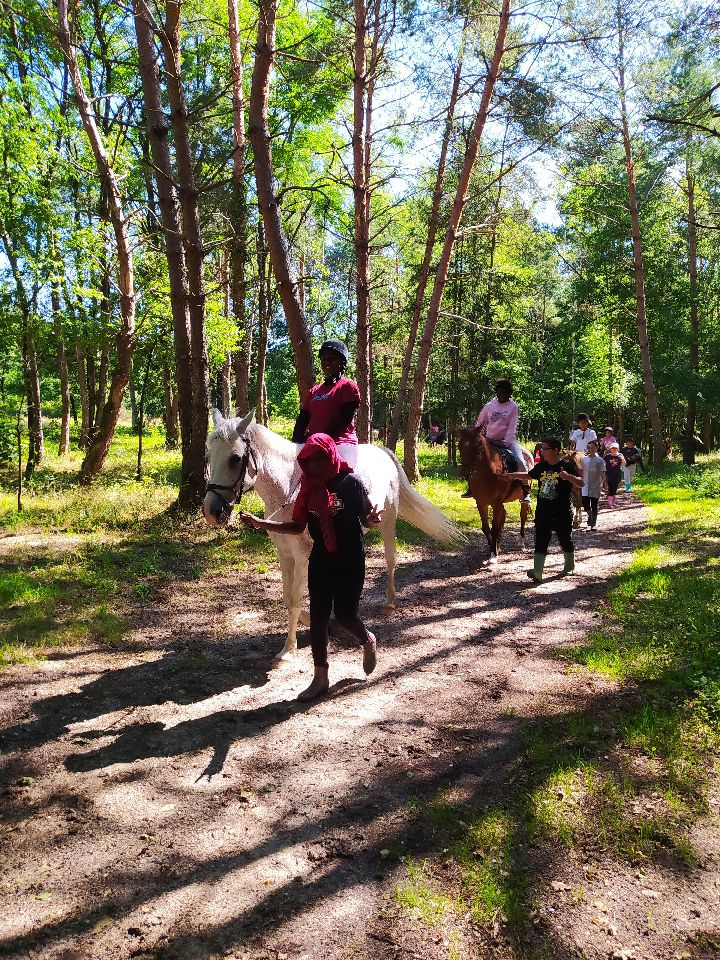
<point>226,432</point>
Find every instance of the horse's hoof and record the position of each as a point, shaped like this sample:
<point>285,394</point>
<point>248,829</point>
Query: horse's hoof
<point>490,562</point>
<point>387,608</point>
<point>283,657</point>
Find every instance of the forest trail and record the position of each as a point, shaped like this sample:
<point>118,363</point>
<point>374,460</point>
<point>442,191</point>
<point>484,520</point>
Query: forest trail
<point>171,800</point>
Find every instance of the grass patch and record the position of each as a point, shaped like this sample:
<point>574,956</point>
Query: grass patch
<point>626,778</point>
<point>420,897</point>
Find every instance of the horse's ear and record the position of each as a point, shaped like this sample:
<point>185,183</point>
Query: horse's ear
<point>217,417</point>
<point>242,423</point>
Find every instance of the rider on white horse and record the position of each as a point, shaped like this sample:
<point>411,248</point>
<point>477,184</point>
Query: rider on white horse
<point>334,505</point>
<point>329,407</point>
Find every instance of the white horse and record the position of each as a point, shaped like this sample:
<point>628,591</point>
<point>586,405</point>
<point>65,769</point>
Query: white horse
<point>244,455</point>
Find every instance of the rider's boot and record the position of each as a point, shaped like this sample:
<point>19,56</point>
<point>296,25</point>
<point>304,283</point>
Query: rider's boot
<point>468,493</point>
<point>538,566</point>
<point>569,563</point>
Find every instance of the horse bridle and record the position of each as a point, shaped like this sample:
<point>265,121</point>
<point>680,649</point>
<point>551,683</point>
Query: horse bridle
<point>237,488</point>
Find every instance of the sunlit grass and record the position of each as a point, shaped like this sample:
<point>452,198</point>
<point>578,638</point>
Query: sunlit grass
<point>628,779</point>
<point>52,500</point>
<point>419,896</point>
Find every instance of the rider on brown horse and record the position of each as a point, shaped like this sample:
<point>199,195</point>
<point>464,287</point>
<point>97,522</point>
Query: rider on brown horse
<point>484,467</point>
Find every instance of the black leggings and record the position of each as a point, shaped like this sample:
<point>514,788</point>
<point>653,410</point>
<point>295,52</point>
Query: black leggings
<point>331,582</point>
<point>591,508</point>
<point>613,482</point>
<point>561,524</point>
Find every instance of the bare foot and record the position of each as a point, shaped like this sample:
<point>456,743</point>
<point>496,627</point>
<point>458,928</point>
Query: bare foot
<point>320,684</point>
<point>369,654</point>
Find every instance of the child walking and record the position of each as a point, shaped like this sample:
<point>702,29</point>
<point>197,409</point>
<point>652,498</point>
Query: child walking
<point>614,462</point>
<point>333,504</point>
<point>553,511</point>
<point>593,471</point>
<point>633,460</point>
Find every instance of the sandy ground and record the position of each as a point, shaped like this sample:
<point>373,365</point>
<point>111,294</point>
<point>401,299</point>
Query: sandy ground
<point>171,800</point>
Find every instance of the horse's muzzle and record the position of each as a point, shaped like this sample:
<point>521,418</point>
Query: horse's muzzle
<point>217,514</point>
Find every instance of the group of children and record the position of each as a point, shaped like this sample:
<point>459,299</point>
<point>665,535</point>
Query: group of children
<point>604,464</point>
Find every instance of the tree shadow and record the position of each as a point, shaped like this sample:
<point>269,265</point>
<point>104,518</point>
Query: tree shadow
<point>492,783</point>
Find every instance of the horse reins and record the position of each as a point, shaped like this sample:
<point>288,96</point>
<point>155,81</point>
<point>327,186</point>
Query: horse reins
<point>237,488</point>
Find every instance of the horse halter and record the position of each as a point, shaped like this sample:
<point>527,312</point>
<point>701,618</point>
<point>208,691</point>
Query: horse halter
<point>237,488</point>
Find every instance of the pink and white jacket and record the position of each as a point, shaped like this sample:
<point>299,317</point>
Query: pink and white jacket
<point>500,421</point>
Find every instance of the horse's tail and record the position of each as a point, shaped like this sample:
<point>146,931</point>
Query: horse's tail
<point>421,513</point>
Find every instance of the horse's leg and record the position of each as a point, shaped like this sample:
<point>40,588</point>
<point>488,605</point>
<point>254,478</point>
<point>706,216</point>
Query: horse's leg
<point>483,511</point>
<point>577,520</point>
<point>387,527</point>
<point>524,511</point>
<point>292,597</point>
<point>499,517</point>
<point>497,524</point>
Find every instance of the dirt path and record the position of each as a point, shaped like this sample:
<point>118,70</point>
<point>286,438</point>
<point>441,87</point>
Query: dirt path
<point>172,801</point>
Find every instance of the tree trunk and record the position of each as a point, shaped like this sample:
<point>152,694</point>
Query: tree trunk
<point>433,224</point>
<point>658,445</point>
<point>259,134</point>
<point>362,116</point>
<point>239,219</point>
<point>125,337</point>
<point>84,442</point>
<point>263,311</point>
<point>167,200</point>
<point>194,490</point>
<point>64,443</point>
<point>171,411</point>
<point>102,379</point>
<point>426,341</point>
<point>689,437</point>
<point>31,375</point>
<point>225,372</point>
<point>105,326</point>
<point>141,413</point>
<point>92,394</point>
<point>243,368</point>
<point>133,406</point>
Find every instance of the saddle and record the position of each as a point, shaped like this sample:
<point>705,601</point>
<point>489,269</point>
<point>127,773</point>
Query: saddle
<point>510,464</point>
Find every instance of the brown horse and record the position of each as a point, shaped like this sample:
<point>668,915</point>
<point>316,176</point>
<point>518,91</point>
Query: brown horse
<point>482,464</point>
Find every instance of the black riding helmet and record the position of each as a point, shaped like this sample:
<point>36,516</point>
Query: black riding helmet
<point>338,346</point>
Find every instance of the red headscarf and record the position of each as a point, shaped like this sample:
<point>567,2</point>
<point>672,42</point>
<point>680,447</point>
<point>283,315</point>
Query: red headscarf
<point>314,494</point>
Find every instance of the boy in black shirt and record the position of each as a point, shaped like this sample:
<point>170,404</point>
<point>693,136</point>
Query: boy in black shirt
<point>333,504</point>
<point>553,511</point>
